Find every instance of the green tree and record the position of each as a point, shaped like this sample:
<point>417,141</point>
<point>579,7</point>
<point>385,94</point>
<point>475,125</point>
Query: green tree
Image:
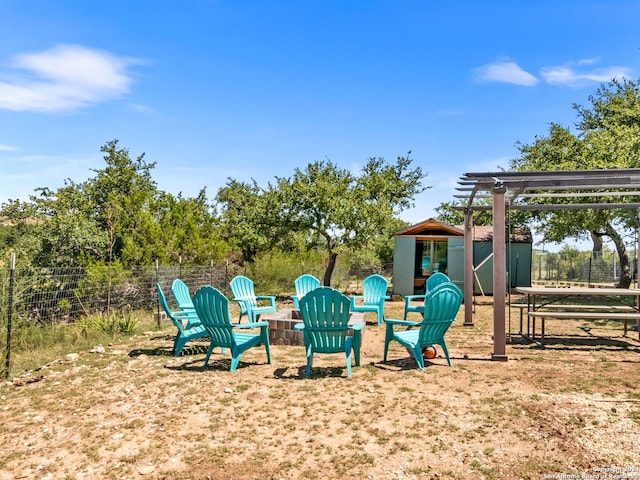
<point>608,137</point>
<point>243,210</point>
<point>119,216</point>
<point>54,228</point>
<point>123,194</point>
<point>340,210</point>
<point>189,229</point>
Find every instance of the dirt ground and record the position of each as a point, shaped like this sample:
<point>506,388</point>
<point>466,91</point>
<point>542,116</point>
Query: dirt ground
<point>566,408</point>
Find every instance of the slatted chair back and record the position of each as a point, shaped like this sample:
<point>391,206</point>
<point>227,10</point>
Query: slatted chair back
<point>440,309</point>
<point>303,285</point>
<point>213,310</point>
<point>243,289</point>
<point>325,326</point>
<point>181,294</point>
<point>244,294</point>
<point>325,313</point>
<point>187,322</point>
<point>435,280</point>
<point>374,288</point>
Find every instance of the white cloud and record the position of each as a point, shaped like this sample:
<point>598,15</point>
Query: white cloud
<point>569,75</point>
<point>588,61</point>
<point>7,148</point>
<point>505,71</point>
<point>66,77</point>
<point>572,74</point>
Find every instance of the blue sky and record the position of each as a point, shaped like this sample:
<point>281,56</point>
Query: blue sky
<point>252,89</point>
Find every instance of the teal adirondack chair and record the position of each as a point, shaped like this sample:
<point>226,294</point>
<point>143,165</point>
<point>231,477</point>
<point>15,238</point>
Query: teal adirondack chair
<point>181,294</point>
<point>212,308</point>
<point>325,318</point>
<point>243,291</point>
<point>374,294</point>
<point>440,309</point>
<point>303,284</point>
<point>432,282</point>
<point>188,324</point>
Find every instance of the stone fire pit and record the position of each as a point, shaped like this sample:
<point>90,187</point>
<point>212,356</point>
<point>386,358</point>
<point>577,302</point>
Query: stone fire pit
<point>281,325</point>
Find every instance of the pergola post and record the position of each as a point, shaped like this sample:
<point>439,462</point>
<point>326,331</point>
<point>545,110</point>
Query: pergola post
<point>499,272</point>
<point>468,267</point>
<point>635,269</point>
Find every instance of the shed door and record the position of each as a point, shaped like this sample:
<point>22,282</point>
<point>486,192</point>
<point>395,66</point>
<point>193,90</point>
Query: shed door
<point>455,264</point>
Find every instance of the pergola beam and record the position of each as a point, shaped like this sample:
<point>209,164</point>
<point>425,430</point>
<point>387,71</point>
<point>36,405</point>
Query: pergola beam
<point>558,195</point>
<point>556,206</point>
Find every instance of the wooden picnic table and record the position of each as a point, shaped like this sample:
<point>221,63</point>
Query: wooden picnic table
<point>542,302</point>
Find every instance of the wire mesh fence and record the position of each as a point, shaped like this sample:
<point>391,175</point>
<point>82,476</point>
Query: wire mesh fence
<point>47,296</point>
<point>579,267</point>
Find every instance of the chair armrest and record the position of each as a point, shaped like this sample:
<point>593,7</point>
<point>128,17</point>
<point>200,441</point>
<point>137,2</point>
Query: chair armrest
<point>408,323</point>
<point>409,298</point>
<point>243,303</point>
<point>299,326</point>
<point>357,326</point>
<point>353,299</point>
<point>186,322</point>
<point>271,298</point>
<point>251,325</point>
<point>187,309</point>
<point>187,318</point>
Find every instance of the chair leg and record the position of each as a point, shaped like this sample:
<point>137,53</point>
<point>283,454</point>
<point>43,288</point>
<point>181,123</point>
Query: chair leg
<point>417,354</point>
<point>206,359</point>
<point>264,337</point>
<point>357,340</point>
<point>235,359</point>
<point>348,347</point>
<point>388,336</point>
<point>446,353</point>
<point>309,362</point>
<point>178,345</point>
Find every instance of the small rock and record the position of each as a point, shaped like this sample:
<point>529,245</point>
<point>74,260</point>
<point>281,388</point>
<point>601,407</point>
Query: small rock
<point>145,469</point>
<point>72,357</point>
<point>98,349</point>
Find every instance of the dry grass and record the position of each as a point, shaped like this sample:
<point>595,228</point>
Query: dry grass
<point>568,407</point>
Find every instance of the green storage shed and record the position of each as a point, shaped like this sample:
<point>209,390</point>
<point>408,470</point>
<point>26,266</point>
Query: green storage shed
<point>432,246</point>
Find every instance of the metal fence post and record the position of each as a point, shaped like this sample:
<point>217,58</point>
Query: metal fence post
<point>10,314</point>
<point>157,299</point>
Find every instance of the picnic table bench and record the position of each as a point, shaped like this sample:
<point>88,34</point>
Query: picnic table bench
<point>549,309</point>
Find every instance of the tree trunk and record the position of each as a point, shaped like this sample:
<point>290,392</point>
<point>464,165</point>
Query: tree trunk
<point>329,271</point>
<point>596,237</point>
<point>625,266</point>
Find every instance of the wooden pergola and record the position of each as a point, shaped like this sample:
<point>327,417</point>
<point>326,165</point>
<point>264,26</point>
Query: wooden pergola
<point>504,188</point>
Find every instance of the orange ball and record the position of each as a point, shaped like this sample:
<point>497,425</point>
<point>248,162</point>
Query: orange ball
<point>429,352</point>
